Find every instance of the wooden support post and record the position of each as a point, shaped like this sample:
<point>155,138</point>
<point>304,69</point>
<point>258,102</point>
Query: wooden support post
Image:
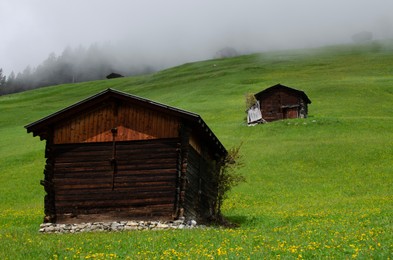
<point>49,200</point>
<point>182,178</point>
<point>113,159</point>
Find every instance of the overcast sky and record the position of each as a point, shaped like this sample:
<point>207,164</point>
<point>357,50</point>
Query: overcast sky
<point>178,31</point>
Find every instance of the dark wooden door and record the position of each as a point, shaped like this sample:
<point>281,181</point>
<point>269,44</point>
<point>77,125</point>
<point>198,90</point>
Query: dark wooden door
<point>290,112</point>
<point>132,178</point>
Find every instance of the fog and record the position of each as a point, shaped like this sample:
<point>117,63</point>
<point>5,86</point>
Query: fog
<point>166,33</point>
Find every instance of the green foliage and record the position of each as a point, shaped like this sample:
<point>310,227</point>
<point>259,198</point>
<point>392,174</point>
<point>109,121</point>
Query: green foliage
<point>249,99</point>
<point>227,177</point>
<point>317,188</point>
<point>2,80</point>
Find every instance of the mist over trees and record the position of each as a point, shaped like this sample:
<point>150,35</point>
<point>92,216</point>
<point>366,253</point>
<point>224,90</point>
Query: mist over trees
<point>86,64</point>
<point>72,65</point>
<point>2,78</point>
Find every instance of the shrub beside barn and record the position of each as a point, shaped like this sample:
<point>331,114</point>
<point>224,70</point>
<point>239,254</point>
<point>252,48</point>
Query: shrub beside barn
<point>116,156</point>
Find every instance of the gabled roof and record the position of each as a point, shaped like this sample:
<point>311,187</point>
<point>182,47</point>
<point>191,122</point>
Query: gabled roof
<point>278,87</point>
<point>42,126</point>
<point>114,75</point>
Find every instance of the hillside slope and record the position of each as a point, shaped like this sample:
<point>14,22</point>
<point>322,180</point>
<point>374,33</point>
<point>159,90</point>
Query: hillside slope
<point>320,186</point>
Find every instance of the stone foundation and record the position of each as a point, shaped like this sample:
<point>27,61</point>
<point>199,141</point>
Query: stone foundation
<point>117,226</point>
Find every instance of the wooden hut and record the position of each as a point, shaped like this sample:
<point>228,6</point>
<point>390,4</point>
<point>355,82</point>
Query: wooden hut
<point>116,156</point>
<point>114,76</point>
<point>282,102</point>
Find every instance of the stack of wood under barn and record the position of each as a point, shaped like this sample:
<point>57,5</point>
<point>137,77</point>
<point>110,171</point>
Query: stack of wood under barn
<point>116,156</point>
<point>276,103</point>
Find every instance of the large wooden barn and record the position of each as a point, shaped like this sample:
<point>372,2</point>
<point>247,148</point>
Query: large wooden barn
<point>282,102</point>
<point>116,156</point>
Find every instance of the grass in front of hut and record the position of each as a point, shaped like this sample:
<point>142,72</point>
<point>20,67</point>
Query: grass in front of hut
<point>319,187</point>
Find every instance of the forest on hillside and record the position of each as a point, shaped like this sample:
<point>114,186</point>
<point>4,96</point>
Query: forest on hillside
<point>72,65</point>
<point>85,64</point>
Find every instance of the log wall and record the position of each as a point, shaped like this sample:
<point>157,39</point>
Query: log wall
<point>200,191</point>
<point>119,156</point>
<point>141,184</point>
<point>279,105</point>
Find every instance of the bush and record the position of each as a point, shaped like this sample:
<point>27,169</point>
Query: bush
<point>227,177</point>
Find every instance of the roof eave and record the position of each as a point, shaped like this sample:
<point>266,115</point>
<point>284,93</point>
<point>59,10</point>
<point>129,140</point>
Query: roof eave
<point>43,125</point>
<point>302,93</point>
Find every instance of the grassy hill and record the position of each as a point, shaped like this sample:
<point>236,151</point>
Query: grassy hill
<point>317,187</point>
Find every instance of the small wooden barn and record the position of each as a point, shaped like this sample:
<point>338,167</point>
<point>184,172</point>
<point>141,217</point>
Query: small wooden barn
<point>282,102</point>
<point>116,156</point>
<point>114,76</point>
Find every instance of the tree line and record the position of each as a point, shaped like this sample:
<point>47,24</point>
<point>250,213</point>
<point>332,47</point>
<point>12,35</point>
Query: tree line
<point>73,65</point>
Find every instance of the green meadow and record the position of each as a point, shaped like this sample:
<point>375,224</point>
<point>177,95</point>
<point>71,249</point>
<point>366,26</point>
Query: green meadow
<point>320,187</point>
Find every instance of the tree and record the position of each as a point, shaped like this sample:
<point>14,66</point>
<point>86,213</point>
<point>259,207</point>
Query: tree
<point>2,81</point>
<point>2,78</point>
<point>27,78</point>
<point>10,84</point>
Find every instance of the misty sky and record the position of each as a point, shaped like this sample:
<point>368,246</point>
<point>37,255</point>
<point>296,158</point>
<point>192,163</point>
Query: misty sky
<point>176,31</point>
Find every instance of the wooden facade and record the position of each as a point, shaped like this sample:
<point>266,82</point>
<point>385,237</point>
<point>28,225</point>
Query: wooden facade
<point>115,156</point>
<point>282,102</point>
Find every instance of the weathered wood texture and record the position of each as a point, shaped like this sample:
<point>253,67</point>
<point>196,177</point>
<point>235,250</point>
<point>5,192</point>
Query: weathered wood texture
<point>132,123</point>
<point>49,200</point>
<point>118,156</point>
<point>143,183</point>
<point>281,102</point>
<point>273,105</point>
<point>201,191</point>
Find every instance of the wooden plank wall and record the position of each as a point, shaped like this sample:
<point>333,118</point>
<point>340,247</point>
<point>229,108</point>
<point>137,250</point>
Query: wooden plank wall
<point>271,105</point>
<point>132,123</point>
<point>200,191</point>
<point>144,182</point>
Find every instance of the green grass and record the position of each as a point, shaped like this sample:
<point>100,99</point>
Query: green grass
<point>320,187</point>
